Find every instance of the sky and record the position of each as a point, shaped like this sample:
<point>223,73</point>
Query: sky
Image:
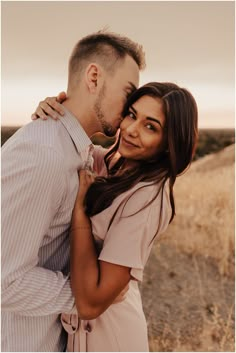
<point>190,43</point>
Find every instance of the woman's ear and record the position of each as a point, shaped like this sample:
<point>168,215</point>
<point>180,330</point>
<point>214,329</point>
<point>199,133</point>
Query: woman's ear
<point>92,77</point>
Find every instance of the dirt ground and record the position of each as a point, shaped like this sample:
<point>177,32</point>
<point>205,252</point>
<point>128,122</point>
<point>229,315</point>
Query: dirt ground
<point>189,306</point>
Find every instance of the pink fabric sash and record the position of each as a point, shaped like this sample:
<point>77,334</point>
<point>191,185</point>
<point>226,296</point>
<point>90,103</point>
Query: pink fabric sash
<point>77,331</point>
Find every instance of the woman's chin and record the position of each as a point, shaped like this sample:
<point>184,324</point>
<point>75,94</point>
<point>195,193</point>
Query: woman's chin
<point>122,152</point>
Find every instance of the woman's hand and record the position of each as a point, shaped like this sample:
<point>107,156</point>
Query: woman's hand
<point>50,107</point>
<point>86,178</point>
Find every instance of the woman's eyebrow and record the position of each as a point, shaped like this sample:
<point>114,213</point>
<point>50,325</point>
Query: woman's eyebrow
<point>148,117</point>
<point>135,111</point>
<point>154,119</point>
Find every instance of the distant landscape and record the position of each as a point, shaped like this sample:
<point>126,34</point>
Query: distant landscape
<point>189,281</point>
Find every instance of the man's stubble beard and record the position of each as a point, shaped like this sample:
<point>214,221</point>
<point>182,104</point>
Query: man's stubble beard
<point>107,128</point>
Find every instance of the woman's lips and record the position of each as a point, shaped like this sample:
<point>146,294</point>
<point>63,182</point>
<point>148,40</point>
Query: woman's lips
<point>128,143</point>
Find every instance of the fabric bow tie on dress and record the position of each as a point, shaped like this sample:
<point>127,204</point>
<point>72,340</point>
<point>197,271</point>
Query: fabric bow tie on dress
<point>77,331</point>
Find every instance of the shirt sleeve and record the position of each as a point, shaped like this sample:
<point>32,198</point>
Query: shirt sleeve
<point>129,240</point>
<point>33,187</point>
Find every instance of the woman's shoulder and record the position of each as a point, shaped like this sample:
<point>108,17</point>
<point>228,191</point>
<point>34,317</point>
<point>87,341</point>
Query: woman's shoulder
<point>144,194</point>
<point>154,198</point>
<point>145,189</point>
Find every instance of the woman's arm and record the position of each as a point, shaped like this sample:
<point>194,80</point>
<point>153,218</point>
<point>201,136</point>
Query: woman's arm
<point>95,284</point>
<point>50,107</point>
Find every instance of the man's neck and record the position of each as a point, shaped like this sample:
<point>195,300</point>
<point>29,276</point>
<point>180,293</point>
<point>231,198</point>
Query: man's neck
<point>83,114</point>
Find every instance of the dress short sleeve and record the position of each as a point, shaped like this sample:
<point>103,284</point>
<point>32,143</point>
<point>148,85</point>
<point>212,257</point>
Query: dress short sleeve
<point>129,240</point>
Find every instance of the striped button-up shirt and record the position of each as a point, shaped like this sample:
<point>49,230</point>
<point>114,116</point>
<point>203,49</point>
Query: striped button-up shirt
<point>39,186</point>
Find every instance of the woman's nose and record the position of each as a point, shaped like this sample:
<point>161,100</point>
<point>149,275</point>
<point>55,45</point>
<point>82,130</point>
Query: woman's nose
<point>132,129</point>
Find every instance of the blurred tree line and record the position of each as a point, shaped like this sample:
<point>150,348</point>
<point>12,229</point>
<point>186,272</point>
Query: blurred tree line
<point>210,140</point>
<point>213,140</point>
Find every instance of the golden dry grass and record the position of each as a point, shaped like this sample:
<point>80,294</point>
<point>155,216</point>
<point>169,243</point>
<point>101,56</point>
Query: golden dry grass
<point>205,209</point>
<point>188,289</point>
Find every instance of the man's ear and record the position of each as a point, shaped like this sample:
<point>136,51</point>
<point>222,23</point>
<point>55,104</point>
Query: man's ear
<point>93,77</point>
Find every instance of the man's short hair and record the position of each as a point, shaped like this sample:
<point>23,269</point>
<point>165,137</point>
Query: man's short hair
<point>106,49</point>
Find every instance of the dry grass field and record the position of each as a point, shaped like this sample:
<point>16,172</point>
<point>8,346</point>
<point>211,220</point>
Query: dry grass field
<point>188,289</point>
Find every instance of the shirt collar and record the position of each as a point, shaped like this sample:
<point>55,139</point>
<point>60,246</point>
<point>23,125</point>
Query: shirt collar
<point>76,131</point>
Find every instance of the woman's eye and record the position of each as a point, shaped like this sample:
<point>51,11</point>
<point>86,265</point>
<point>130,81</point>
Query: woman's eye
<point>151,127</point>
<point>131,115</point>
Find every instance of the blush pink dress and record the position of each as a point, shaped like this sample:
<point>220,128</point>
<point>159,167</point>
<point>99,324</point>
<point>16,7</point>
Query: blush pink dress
<point>128,242</point>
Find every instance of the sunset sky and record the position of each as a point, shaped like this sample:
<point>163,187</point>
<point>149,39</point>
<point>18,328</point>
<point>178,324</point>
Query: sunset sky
<point>190,43</point>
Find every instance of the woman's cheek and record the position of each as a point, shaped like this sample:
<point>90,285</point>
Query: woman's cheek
<point>123,125</point>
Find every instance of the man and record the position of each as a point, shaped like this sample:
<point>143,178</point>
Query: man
<point>40,166</point>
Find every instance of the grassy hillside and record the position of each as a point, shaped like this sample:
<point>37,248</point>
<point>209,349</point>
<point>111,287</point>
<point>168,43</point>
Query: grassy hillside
<point>188,289</point>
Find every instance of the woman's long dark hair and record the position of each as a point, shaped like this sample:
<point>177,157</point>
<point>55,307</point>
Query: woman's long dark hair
<point>181,132</point>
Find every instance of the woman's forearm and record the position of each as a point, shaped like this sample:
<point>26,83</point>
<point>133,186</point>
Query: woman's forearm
<point>84,264</point>
<point>95,284</point>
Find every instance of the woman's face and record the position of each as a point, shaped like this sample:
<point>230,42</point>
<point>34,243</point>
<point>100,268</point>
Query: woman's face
<point>142,130</point>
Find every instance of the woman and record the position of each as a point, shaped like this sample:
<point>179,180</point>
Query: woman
<point>118,214</point>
